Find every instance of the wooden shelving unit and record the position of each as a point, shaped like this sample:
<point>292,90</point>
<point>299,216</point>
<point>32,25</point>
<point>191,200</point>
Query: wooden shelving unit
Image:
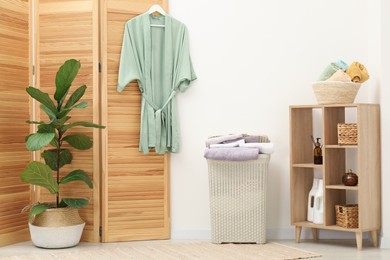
<point>334,167</point>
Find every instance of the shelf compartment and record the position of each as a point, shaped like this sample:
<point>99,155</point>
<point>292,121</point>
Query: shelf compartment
<point>341,187</point>
<point>307,224</point>
<point>336,146</point>
<point>307,165</point>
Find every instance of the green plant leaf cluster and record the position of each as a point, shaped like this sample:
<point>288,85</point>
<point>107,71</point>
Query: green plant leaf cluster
<point>53,133</point>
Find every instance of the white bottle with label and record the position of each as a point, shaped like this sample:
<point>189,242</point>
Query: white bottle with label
<point>319,204</point>
<point>311,199</point>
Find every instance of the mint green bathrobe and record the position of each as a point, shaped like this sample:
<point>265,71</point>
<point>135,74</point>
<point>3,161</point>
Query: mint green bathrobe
<point>159,59</point>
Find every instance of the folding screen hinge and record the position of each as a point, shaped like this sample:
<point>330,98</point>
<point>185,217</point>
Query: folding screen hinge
<point>33,70</point>
<point>100,67</point>
<point>100,231</point>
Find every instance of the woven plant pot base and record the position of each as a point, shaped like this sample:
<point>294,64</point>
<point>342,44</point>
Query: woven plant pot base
<point>58,217</point>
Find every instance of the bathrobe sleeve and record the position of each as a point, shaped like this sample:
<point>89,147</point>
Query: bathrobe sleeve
<point>185,71</point>
<point>129,68</point>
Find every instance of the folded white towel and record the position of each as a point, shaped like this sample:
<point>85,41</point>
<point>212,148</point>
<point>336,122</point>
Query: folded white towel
<point>233,144</point>
<point>220,139</point>
<point>267,148</point>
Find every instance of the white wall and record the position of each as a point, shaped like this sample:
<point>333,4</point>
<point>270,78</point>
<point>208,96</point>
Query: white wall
<point>253,59</point>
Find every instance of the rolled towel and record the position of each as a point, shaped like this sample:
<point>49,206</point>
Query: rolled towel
<point>232,144</point>
<point>332,68</point>
<point>340,76</point>
<point>267,148</point>
<point>232,154</point>
<point>222,138</point>
<point>342,65</point>
<point>358,72</point>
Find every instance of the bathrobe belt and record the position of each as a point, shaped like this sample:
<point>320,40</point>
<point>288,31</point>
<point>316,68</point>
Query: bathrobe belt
<point>160,123</point>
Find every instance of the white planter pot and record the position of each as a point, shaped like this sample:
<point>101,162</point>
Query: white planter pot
<point>57,228</point>
<point>56,237</point>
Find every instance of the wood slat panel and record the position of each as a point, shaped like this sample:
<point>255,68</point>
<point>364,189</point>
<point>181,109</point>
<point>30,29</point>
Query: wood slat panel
<point>14,111</point>
<point>69,30</point>
<point>135,186</point>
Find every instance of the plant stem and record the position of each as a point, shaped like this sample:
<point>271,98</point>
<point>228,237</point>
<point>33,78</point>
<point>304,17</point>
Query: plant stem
<point>58,167</point>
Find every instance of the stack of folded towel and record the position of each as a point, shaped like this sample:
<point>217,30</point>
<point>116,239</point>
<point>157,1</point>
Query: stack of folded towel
<point>239,147</point>
<point>340,71</point>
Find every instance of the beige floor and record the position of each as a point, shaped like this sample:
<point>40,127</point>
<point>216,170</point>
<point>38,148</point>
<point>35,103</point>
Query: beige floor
<point>330,249</point>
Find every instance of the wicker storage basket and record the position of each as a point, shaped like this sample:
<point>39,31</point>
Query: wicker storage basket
<point>238,200</point>
<point>347,134</point>
<point>347,216</point>
<point>335,92</point>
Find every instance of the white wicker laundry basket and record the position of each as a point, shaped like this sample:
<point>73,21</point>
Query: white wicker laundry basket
<point>238,200</point>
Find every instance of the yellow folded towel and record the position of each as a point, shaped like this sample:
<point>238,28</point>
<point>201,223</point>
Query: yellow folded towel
<point>357,72</point>
<point>340,76</point>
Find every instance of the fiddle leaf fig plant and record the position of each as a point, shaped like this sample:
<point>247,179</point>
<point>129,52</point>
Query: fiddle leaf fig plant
<point>53,134</point>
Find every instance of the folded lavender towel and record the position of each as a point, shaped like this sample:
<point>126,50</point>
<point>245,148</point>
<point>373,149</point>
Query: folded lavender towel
<point>222,138</point>
<point>232,154</point>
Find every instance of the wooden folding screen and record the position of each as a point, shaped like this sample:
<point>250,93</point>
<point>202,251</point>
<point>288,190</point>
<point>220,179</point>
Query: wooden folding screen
<point>14,111</point>
<point>130,199</point>
<point>135,187</point>
<point>69,29</point>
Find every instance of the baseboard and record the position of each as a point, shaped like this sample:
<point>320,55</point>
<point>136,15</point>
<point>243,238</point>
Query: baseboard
<point>272,234</point>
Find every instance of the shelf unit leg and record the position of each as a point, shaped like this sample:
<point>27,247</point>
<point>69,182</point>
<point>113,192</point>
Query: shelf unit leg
<point>298,230</point>
<point>359,240</point>
<point>374,238</point>
<point>314,231</point>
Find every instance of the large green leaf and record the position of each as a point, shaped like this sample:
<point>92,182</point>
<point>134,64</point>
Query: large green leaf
<point>64,78</point>
<point>36,210</point>
<point>62,204</point>
<point>49,129</point>
<point>76,96</point>
<point>60,122</point>
<point>55,142</point>
<point>37,173</point>
<point>81,123</point>
<point>50,157</point>
<point>76,203</point>
<point>42,98</point>
<point>83,104</point>
<point>78,141</point>
<point>39,140</point>
<point>52,116</point>
<point>35,122</point>
<point>65,111</point>
<point>77,175</point>
<point>26,138</point>
<point>46,129</point>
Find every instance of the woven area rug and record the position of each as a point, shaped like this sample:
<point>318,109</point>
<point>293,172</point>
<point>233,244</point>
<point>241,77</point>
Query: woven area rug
<point>179,251</point>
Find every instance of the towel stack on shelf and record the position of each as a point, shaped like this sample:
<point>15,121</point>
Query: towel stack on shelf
<point>237,147</point>
<point>341,71</point>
